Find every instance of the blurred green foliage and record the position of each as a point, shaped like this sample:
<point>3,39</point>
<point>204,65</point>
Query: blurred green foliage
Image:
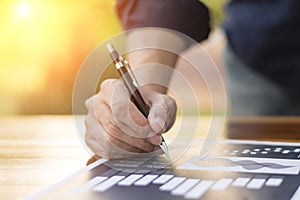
<point>216,11</point>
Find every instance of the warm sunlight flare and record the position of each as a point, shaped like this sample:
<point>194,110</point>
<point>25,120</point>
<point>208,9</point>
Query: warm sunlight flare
<point>22,10</point>
<point>42,44</point>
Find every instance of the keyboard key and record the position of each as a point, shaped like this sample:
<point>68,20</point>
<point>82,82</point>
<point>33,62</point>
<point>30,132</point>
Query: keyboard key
<point>163,179</point>
<point>184,187</point>
<point>129,180</point>
<point>199,190</point>
<point>222,184</point>
<point>240,182</point>
<point>91,183</point>
<point>297,150</point>
<point>172,184</point>
<point>225,151</point>
<point>285,151</point>
<point>274,182</point>
<point>278,149</point>
<point>146,180</point>
<point>256,183</point>
<point>108,183</point>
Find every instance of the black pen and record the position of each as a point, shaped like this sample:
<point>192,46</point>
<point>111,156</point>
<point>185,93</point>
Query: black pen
<point>132,85</point>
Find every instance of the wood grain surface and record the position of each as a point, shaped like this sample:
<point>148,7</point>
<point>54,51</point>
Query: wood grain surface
<point>265,128</point>
<point>36,151</point>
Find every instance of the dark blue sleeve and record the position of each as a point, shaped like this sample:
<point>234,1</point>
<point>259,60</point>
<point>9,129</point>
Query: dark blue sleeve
<point>265,35</point>
<point>190,17</point>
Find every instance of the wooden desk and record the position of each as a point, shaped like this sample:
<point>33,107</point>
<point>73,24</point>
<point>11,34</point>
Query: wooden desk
<point>266,128</point>
<point>37,151</point>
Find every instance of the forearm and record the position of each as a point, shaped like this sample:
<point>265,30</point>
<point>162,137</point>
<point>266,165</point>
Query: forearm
<point>190,18</point>
<point>154,52</point>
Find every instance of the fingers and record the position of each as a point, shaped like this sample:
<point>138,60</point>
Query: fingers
<point>118,137</point>
<point>129,119</point>
<point>162,113</point>
<point>139,144</point>
<point>155,139</point>
<point>115,128</point>
<point>158,118</point>
<point>109,146</point>
<point>104,136</point>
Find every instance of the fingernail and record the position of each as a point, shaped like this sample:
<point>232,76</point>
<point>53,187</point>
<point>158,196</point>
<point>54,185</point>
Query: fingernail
<point>157,124</point>
<point>151,134</point>
<point>156,140</point>
<point>161,123</point>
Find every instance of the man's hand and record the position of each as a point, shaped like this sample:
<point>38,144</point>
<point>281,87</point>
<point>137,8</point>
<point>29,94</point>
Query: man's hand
<point>115,128</point>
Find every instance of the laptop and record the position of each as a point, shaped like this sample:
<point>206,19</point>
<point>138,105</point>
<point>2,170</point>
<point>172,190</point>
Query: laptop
<point>233,170</point>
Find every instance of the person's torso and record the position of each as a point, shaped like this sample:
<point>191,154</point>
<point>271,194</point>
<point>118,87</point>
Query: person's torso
<point>265,34</point>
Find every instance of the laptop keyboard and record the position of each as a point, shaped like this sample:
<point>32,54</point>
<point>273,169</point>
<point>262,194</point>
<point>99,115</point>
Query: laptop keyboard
<point>189,188</point>
<point>140,178</point>
<point>201,187</point>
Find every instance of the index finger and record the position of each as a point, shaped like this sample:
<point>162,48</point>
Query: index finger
<point>128,117</point>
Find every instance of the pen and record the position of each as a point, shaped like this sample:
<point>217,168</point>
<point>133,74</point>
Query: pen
<point>132,85</point>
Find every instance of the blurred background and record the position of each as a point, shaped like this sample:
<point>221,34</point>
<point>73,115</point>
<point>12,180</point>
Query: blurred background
<point>43,43</point>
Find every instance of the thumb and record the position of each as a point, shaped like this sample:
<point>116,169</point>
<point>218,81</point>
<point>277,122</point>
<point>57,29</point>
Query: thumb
<point>158,118</point>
